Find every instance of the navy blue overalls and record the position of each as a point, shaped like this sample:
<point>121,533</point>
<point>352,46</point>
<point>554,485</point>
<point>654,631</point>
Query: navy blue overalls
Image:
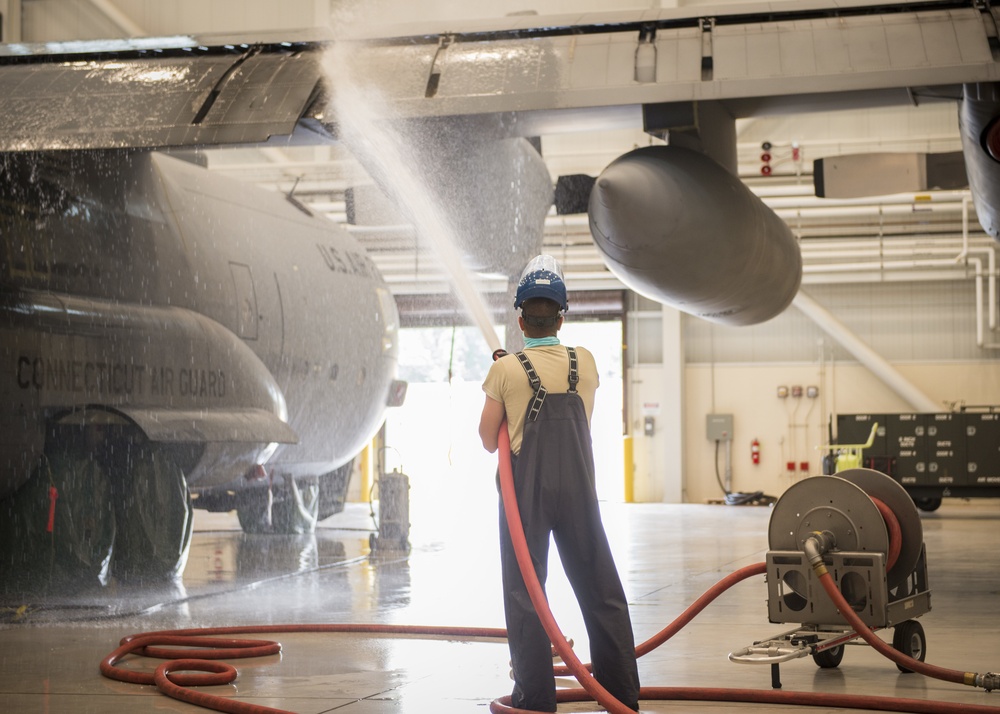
<point>556,493</point>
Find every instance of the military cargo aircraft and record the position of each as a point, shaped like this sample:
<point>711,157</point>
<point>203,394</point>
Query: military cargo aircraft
<point>681,74</point>
<point>170,337</point>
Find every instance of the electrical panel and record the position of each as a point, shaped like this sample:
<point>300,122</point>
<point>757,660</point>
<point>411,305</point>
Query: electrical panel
<point>719,427</point>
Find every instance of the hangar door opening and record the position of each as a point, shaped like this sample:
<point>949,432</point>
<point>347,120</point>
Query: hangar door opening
<point>434,436</point>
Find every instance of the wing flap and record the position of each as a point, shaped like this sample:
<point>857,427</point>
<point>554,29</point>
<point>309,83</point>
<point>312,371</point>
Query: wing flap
<point>148,100</point>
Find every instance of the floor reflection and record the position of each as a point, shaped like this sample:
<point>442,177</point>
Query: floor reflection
<point>667,555</point>
<point>222,560</point>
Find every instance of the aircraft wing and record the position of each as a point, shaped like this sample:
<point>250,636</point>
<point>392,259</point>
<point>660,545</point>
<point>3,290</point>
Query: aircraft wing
<point>554,72</point>
<point>582,71</point>
<point>156,92</point>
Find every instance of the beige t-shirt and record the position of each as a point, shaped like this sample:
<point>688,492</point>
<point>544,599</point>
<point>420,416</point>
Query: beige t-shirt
<point>508,383</point>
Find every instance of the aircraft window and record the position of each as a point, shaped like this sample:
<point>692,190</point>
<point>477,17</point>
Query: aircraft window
<point>27,257</point>
<point>390,319</point>
<point>387,309</point>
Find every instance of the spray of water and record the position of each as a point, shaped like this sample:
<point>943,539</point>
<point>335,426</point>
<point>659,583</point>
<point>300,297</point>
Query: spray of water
<point>364,124</point>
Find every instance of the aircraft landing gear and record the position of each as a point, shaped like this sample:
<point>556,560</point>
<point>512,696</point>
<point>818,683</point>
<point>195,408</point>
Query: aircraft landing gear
<point>58,529</point>
<point>153,511</point>
<point>102,502</point>
<point>287,507</point>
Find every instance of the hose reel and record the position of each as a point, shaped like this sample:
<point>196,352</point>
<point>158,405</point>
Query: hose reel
<point>871,543</point>
<point>877,560</point>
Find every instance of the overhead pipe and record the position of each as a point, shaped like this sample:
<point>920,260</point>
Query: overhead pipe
<point>886,265</point>
<point>865,354</point>
<point>907,200</point>
<point>860,231</point>
<point>991,270</point>
<point>979,300</point>
<point>897,276</point>
<point>855,248</point>
<point>879,251</point>
<point>980,340</point>
<point>914,248</point>
<point>862,211</point>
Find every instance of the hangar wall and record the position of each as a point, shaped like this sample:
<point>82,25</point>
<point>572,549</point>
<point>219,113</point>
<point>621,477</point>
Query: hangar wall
<point>790,429</point>
<point>56,20</point>
<point>926,331</point>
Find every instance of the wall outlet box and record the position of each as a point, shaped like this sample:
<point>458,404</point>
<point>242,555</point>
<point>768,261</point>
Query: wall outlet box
<point>719,427</point>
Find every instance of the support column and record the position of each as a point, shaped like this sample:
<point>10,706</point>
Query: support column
<point>672,406</point>
<point>10,21</point>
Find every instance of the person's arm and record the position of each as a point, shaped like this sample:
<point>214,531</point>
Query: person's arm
<point>489,423</point>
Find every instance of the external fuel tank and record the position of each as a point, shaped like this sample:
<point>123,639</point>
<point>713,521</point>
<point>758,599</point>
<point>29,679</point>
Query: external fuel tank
<point>675,226</point>
<point>979,120</point>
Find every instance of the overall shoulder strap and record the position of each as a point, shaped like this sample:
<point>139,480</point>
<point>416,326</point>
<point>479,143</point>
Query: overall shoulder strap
<point>536,385</point>
<point>574,372</point>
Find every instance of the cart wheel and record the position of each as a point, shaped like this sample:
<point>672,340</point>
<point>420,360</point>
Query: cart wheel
<point>908,638</point>
<point>928,504</point>
<point>828,659</point>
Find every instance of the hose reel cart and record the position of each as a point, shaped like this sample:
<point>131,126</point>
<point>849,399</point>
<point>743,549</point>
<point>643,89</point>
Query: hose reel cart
<point>870,540</point>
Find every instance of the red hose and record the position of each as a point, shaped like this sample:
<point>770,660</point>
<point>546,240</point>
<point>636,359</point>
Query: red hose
<point>685,617</point>
<point>895,533</point>
<point>593,689</point>
<point>700,604</point>
<point>769,696</point>
<point>858,625</point>
<point>169,679</point>
<point>535,592</point>
<point>173,677</point>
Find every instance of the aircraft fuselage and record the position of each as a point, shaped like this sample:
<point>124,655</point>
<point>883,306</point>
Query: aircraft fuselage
<point>213,315</point>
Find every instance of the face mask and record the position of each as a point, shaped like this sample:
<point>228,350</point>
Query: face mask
<point>540,341</point>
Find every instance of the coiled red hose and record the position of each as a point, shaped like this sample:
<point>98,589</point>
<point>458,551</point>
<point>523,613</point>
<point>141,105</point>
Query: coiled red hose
<point>894,530</point>
<point>174,677</point>
<point>182,670</point>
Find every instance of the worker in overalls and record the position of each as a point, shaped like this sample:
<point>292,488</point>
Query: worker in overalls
<point>546,393</point>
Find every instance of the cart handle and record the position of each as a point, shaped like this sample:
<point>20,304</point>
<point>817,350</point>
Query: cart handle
<point>767,655</point>
<point>866,445</point>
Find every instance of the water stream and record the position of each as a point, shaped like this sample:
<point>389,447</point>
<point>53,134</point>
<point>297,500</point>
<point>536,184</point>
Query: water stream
<point>384,149</point>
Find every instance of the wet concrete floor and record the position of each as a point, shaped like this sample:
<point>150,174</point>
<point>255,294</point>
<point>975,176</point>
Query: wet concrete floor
<point>668,555</point>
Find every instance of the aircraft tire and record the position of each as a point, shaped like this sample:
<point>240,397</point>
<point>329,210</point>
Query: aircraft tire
<point>153,513</point>
<point>70,492</point>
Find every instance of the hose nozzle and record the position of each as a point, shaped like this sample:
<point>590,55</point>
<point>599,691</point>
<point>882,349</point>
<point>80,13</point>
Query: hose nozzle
<point>988,681</point>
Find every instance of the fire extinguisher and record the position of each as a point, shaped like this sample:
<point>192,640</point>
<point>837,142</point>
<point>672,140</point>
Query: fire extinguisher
<point>755,451</point>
